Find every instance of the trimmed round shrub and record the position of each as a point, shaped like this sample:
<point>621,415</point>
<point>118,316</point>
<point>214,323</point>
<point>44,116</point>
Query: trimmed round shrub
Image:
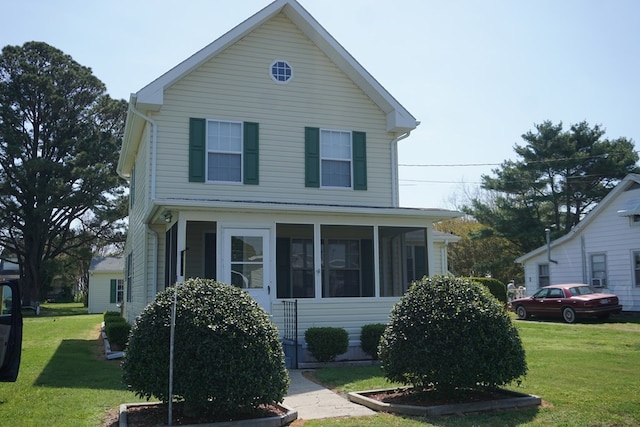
<point>370,338</point>
<point>449,333</point>
<point>227,356</point>
<point>325,343</point>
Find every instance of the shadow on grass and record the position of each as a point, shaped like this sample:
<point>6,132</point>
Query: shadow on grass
<point>506,418</point>
<point>77,364</point>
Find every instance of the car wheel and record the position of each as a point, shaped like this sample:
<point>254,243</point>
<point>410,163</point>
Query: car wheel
<point>569,315</point>
<point>521,311</point>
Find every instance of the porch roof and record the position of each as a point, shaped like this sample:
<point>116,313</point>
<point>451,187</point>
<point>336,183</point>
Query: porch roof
<point>427,214</point>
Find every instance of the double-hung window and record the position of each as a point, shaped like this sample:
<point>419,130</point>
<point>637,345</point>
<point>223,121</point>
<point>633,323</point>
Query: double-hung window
<point>335,158</point>
<point>224,151</point>
<point>599,270</point>
<point>636,267</point>
<point>544,278</point>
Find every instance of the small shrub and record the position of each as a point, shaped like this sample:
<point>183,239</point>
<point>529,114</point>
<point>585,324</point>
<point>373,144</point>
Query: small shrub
<point>495,286</point>
<point>450,333</point>
<point>370,338</point>
<point>111,315</point>
<point>326,343</point>
<point>117,332</point>
<point>227,354</point>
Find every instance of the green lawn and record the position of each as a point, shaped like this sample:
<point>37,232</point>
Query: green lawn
<point>587,374</point>
<point>64,380</point>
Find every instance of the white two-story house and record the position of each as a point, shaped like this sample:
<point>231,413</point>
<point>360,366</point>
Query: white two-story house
<point>268,161</point>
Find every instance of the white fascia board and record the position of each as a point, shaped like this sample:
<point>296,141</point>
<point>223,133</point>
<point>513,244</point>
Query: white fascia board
<point>429,214</point>
<point>151,97</point>
<point>398,118</point>
<point>132,130</point>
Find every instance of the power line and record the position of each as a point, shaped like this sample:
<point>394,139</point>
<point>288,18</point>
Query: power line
<point>562,159</point>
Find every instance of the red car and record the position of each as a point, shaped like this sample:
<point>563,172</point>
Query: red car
<point>569,301</point>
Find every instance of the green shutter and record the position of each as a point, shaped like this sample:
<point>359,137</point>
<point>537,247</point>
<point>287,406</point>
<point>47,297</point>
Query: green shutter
<point>312,157</point>
<point>359,146</point>
<point>114,291</point>
<point>197,152</point>
<point>250,154</point>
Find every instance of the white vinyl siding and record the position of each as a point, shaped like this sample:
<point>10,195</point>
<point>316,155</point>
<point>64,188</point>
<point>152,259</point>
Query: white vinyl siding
<point>100,291</point>
<point>320,95</point>
<point>608,233</point>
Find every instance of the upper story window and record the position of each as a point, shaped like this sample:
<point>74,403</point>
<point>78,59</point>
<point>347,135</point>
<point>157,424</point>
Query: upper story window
<point>335,155</point>
<point>224,151</point>
<point>281,71</point>
<point>335,159</point>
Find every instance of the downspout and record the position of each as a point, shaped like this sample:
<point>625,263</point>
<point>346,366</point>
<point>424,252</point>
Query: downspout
<point>395,198</point>
<point>444,261</point>
<point>548,233</point>
<point>154,261</point>
<point>154,140</point>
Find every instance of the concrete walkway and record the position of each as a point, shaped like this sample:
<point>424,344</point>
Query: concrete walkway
<point>313,401</point>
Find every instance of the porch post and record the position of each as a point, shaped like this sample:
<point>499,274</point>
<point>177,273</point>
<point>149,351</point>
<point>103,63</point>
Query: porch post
<point>430,261</point>
<point>182,249</point>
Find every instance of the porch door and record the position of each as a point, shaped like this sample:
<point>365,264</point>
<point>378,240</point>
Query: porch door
<point>246,262</point>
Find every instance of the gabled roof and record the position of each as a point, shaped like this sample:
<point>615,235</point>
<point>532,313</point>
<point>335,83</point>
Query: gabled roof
<point>398,118</point>
<point>627,182</point>
<point>151,97</point>
<point>107,264</point>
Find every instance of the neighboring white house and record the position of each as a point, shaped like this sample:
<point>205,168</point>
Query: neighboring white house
<point>603,250</point>
<point>106,284</point>
<point>268,160</point>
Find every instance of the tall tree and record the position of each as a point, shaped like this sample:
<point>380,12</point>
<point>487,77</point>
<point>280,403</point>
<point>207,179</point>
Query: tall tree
<point>560,177</point>
<point>480,252</point>
<point>60,136</point>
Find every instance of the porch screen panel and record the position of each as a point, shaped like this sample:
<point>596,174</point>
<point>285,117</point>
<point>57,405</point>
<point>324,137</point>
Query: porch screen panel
<point>403,258</point>
<point>347,261</point>
<point>294,261</point>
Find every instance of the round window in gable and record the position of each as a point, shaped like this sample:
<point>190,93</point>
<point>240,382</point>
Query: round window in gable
<point>281,71</point>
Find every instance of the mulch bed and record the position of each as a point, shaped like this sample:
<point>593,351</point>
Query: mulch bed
<point>433,397</point>
<point>158,415</point>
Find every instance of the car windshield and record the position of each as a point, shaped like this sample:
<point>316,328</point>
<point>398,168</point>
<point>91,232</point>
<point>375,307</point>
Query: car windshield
<point>581,290</point>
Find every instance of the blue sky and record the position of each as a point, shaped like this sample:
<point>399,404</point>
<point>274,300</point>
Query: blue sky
<point>476,73</point>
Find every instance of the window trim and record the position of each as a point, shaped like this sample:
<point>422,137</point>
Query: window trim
<point>540,276</point>
<point>592,277</point>
<point>350,160</point>
<point>208,151</point>
<point>635,267</point>
<point>274,77</point>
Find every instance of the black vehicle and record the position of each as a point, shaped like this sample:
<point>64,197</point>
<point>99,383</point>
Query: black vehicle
<point>10,330</point>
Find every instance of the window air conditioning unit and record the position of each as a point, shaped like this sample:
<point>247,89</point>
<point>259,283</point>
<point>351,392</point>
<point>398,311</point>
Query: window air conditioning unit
<point>597,283</point>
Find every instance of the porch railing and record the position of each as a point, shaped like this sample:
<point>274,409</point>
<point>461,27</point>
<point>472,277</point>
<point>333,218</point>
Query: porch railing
<point>290,331</point>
